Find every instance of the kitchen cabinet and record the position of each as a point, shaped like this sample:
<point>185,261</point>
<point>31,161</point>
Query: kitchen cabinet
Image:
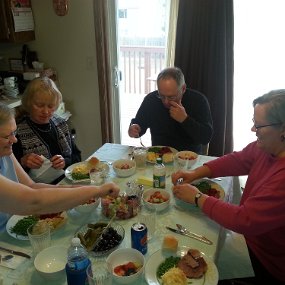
<point>7,28</point>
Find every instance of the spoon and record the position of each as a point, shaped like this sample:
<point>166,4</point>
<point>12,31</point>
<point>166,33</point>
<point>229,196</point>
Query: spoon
<point>6,257</point>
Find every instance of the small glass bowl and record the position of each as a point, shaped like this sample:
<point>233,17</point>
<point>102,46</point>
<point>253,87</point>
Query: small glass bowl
<point>107,240</point>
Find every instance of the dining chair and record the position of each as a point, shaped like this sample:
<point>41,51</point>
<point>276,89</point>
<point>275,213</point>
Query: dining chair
<point>205,149</point>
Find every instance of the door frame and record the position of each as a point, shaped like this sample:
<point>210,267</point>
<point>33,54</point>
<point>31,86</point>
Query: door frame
<point>113,61</point>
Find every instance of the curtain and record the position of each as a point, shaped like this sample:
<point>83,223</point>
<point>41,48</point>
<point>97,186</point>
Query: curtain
<point>204,52</point>
<point>172,24</point>
<point>104,71</point>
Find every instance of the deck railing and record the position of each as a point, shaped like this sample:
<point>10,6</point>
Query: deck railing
<point>140,66</point>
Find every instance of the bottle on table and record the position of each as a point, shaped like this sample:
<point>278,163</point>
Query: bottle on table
<point>77,263</point>
<point>159,173</point>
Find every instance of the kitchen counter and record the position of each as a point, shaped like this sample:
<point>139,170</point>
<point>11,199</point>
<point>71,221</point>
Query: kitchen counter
<point>11,102</point>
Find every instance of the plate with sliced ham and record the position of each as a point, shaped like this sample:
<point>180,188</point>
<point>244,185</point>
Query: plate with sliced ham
<point>192,266</point>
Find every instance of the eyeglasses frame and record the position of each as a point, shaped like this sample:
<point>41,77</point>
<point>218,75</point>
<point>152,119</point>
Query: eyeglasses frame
<point>169,98</point>
<point>264,126</point>
<point>14,133</point>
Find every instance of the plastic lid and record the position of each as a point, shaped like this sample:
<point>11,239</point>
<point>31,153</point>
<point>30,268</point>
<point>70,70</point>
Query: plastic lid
<point>159,160</point>
<point>75,241</point>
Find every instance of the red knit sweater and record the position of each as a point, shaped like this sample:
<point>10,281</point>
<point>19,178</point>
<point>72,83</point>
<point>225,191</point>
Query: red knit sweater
<point>260,217</point>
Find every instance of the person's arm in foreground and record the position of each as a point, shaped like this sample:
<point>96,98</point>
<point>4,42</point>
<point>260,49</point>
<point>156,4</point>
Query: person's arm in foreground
<point>28,197</point>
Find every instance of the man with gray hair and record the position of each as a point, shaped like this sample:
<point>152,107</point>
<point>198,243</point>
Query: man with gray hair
<point>177,116</point>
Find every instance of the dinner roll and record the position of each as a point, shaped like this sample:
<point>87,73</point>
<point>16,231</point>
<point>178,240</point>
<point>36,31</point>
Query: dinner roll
<point>170,243</point>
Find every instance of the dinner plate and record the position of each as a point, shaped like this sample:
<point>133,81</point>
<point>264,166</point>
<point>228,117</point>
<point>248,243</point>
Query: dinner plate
<point>174,151</point>
<point>15,218</point>
<point>211,276</point>
<point>180,204</point>
<point>213,185</point>
<point>68,171</point>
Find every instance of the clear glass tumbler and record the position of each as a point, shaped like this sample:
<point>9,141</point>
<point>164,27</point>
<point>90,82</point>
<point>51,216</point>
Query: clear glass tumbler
<point>39,237</point>
<point>98,274</point>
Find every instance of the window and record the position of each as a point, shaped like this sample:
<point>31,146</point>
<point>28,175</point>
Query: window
<point>259,53</point>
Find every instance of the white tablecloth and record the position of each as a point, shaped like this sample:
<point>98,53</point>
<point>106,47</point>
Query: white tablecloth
<point>223,254</point>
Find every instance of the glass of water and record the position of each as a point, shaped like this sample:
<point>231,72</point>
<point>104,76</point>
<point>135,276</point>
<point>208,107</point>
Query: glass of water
<point>96,177</point>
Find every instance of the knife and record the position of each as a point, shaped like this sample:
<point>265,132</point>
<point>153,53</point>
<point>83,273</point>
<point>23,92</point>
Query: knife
<point>15,252</point>
<point>191,235</point>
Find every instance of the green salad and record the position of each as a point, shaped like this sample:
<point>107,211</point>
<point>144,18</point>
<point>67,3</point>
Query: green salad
<point>20,228</point>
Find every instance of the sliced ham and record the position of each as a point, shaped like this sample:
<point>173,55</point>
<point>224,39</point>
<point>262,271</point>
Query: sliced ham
<point>193,264</point>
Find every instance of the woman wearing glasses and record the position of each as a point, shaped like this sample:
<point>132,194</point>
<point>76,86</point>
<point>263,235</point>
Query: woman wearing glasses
<point>260,217</point>
<point>21,195</point>
<point>177,117</point>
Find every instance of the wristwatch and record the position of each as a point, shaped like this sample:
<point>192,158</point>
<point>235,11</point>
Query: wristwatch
<point>197,196</point>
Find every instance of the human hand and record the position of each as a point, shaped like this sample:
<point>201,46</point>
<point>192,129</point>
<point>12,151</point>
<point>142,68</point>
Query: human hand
<point>110,189</point>
<point>185,192</point>
<point>57,161</point>
<point>187,176</point>
<point>32,161</point>
<point>134,131</point>
<point>177,111</point>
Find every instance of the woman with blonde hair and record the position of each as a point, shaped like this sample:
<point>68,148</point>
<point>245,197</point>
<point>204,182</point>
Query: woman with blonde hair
<point>42,135</point>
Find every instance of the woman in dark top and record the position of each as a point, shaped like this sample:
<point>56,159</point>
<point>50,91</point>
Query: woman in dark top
<point>41,134</point>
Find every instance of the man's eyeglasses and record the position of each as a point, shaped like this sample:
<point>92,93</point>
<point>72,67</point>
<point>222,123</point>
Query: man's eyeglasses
<point>257,127</point>
<point>12,134</point>
<point>169,98</point>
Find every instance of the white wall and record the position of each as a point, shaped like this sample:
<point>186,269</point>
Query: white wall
<point>68,45</point>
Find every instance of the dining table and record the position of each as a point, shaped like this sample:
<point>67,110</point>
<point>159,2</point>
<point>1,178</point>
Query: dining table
<point>193,219</point>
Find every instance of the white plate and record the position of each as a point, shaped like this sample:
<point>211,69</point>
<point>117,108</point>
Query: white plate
<point>182,205</point>
<point>15,218</point>
<point>69,169</point>
<point>174,151</point>
<point>211,277</point>
<point>11,223</point>
<point>213,185</point>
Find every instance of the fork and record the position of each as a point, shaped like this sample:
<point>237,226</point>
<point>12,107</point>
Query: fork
<point>142,143</point>
<point>191,234</point>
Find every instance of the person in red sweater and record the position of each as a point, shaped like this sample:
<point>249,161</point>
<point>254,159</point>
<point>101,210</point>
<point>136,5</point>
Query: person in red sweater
<point>260,216</point>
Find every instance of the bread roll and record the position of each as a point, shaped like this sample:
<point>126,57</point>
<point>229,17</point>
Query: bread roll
<point>92,162</point>
<point>170,243</point>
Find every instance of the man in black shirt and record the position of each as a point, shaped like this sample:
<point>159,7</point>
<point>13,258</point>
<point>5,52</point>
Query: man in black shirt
<point>177,117</point>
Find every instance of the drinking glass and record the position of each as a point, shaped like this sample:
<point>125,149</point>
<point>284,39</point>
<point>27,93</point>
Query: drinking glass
<point>39,237</point>
<point>140,155</point>
<point>98,274</point>
<point>148,217</point>
<point>96,177</point>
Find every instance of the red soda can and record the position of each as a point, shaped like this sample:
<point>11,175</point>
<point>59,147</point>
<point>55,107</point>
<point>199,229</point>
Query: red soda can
<point>139,237</point>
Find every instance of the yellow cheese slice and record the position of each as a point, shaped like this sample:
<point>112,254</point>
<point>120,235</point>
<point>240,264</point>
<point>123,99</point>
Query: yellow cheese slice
<point>145,181</point>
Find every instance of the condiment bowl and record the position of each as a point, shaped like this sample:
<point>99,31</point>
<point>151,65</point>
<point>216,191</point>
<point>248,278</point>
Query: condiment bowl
<point>123,256</point>
<point>124,167</point>
<point>88,207</point>
<point>185,159</point>
<point>50,262</point>
<point>157,199</point>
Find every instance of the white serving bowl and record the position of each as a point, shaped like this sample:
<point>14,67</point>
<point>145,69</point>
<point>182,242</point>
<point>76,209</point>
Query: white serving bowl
<point>119,169</point>
<point>50,262</point>
<point>87,207</point>
<point>122,256</point>
<point>156,206</point>
<point>186,159</point>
